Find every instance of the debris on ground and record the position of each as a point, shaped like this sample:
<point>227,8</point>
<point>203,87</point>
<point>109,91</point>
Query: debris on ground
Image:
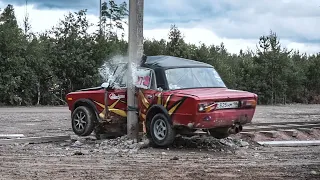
<point>314,172</point>
<point>77,143</point>
<point>125,145</point>
<point>59,160</point>
<point>209,143</point>
<point>78,153</point>
<point>116,145</point>
<point>175,158</point>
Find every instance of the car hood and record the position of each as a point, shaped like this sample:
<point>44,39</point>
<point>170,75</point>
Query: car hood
<point>216,93</point>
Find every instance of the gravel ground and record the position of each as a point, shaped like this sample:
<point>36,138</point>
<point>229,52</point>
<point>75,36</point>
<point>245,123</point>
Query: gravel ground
<point>39,121</point>
<point>287,113</point>
<point>188,158</point>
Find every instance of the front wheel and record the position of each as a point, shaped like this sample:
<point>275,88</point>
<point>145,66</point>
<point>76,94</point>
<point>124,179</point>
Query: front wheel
<point>161,131</point>
<point>82,120</point>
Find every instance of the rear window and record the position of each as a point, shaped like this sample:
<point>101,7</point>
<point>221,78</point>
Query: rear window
<point>184,78</point>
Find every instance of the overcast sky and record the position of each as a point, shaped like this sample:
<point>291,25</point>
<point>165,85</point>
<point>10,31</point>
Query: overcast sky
<point>237,23</point>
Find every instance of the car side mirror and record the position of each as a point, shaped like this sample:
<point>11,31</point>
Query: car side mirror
<point>105,85</point>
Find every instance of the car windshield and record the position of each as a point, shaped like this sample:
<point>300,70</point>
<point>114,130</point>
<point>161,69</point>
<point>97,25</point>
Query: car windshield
<point>183,78</point>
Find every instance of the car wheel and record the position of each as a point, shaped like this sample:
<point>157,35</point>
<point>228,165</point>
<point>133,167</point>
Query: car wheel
<point>161,131</point>
<point>82,121</point>
<point>219,133</point>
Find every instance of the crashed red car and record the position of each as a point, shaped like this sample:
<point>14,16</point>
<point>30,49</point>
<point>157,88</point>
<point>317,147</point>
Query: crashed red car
<point>175,96</point>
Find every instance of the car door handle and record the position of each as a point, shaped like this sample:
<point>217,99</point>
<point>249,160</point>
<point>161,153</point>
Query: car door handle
<point>149,96</point>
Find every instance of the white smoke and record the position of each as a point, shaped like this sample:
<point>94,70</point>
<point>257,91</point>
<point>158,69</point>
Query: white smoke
<point>108,68</point>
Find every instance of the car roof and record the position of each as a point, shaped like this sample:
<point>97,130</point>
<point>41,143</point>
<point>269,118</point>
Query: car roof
<point>167,62</point>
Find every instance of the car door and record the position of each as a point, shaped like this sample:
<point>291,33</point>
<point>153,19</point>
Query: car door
<point>145,85</point>
<point>117,97</point>
<point>146,90</point>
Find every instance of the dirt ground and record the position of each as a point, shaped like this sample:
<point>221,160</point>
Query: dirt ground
<point>296,112</point>
<point>88,159</point>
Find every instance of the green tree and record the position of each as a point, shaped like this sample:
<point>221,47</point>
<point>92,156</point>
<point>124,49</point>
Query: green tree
<point>113,18</point>
<point>176,45</point>
<point>154,47</point>
<point>272,65</point>
<point>313,81</point>
<point>12,62</point>
<point>42,68</point>
<point>72,61</point>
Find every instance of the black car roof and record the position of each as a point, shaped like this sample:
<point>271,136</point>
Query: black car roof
<point>168,62</point>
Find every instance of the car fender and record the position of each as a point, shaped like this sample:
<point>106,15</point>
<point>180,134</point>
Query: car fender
<point>159,108</point>
<point>88,102</point>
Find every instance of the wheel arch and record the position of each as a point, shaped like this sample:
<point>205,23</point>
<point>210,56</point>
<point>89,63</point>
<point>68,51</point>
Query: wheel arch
<point>155,109</point>
<point>88,103</point>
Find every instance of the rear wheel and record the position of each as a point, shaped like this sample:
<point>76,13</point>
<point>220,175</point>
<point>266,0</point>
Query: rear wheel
<point>219,133</point>
<point>83,120</point>
<point>161,131</point>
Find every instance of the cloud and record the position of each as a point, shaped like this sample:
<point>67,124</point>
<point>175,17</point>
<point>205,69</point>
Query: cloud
<point>57,4</point>
<point>200,35</point>
<point>237,23</point>
<point>245,19</point>
<point>42,20</point>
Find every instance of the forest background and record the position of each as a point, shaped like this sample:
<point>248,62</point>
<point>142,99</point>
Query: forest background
<point>41,68</point>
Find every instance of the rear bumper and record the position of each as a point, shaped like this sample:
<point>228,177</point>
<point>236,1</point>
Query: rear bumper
<point>218,118</point>
<point>223,118</point>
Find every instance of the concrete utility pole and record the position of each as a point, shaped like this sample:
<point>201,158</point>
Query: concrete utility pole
<point>135,55</point>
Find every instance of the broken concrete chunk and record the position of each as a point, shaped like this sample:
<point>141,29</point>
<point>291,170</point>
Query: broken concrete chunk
<point>129,142</point>
<point>77,153</point>
<point>132,146</point>
<point>314,172</point>
<point>306,130</point>
<point>248,134</point>
<point>292,133</point>
<point>133,151</point>
<point>243,144</point>
<point>174,158</point>
<point>272,134</point>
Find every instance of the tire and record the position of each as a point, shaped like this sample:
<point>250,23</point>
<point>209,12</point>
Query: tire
<point>165,135</point>
<point>86,126</point>
<point>219,133</point>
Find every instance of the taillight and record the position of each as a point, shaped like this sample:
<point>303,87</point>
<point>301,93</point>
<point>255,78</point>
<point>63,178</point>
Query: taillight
<point>250,103</point>
<point>201,107</point>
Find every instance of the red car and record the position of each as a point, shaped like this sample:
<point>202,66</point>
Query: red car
<point>174,96</point>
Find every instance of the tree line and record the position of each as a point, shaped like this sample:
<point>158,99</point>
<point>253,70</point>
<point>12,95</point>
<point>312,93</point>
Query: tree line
<point>40,68</point>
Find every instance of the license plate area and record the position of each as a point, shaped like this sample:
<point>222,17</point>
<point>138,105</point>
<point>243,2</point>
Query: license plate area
<point>227,105</point>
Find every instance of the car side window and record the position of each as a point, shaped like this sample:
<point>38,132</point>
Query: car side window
<point>119,83</point>
<point>123,82</point>
<point>145,78</point>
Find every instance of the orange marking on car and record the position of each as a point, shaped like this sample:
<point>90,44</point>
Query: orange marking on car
<point>210,107</point>
<point>145,102</point>
<point>159,99</point>
<point>174,108</point>
<point>167,100</point>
